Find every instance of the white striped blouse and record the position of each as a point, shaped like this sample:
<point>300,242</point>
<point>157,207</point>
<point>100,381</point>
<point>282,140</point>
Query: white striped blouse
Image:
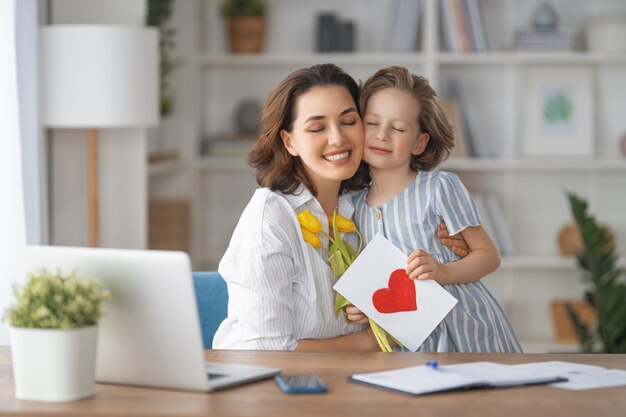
<point>279,287</point>
<point>410,219</point>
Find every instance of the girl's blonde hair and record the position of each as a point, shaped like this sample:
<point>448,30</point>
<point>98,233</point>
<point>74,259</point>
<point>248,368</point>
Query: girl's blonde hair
<point>431,118</point>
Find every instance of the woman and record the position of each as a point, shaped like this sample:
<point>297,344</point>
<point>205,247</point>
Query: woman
<point>308,154</point>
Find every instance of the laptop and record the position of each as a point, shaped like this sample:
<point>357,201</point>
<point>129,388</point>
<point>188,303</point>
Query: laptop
<point>149,334</point>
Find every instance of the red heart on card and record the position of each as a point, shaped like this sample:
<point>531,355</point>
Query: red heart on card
<point>400,296</point>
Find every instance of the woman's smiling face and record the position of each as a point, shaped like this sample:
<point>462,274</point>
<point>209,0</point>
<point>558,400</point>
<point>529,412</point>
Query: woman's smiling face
<point>327,134</point>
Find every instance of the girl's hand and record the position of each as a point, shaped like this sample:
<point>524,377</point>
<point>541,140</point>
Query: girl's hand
<point>454,242</point>
<point>355,315</point>
<point>420,265</point>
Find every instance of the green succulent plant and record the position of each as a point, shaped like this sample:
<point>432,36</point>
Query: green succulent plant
<point>234,8</point>
<point>607,293</point>
<point>53,300</point>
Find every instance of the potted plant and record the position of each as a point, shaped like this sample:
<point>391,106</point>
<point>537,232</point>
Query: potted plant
<point>607,293</point>
<point>159,15</point>
<point>53,331</point>
<point>246,26</point>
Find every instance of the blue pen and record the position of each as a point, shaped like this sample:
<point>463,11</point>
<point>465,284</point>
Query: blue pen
<point>432,364</point>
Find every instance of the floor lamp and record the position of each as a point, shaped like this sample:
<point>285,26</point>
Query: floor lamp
<point>98,77</point>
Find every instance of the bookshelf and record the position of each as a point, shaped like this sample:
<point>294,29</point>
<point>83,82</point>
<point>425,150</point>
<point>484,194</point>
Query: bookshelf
<point>209,83</point>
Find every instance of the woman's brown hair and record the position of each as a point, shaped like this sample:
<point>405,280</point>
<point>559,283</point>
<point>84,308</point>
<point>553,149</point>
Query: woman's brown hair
<point>275,167</point>
<point>431,118</point>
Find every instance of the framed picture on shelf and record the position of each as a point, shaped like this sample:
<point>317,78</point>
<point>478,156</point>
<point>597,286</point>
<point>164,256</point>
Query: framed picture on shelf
<point>558,112</point>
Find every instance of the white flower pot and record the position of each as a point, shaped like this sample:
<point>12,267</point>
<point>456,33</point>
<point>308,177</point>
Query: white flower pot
<point>52,364</point>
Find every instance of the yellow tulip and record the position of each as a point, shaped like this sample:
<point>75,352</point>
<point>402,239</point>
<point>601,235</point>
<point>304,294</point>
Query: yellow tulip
<point>344,225</point>
<point>309,222</point>
<point>311,238</point>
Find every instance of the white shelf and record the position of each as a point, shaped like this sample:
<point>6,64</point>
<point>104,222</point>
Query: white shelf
<point>547,164</point>
<point>407,59</point>
<point>279,60</point>
<point>544,262</point>
<point>219,163</point>
<point>521,58</point>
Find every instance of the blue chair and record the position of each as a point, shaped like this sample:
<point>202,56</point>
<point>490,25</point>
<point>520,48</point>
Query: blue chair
<point>212,301</point>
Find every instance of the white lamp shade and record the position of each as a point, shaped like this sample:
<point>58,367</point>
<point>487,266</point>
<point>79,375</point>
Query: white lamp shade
<point>99,76</point>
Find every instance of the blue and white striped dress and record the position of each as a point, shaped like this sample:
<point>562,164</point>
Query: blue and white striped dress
<point>410,220</point>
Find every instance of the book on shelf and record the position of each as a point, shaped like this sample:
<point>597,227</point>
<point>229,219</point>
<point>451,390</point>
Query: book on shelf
<point>558,40</point>
<point>481,206</point>
<point>477,26</point>
<point>156,157</point>
<point>228,145</point>
<point>448,32</point>
<point>458,93</point>
<point>403,22</point>
<point>501,229</point>
<point>462,26</point>
<point>453,114</point>
<point>430,378</point>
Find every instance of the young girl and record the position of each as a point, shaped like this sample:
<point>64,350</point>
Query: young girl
<point>406,137</point>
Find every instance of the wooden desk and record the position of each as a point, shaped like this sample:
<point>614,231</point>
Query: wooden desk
<point>344,398</point>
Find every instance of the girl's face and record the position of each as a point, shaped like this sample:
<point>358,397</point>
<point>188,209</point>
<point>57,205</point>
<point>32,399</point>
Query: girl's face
<point>327,134</point>
<point>392,134</point>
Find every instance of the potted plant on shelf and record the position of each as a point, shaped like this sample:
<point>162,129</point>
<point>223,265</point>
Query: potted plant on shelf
<point>159,15</point>
<point>246,24</point>
<point>607,294</point>
<point>53,331</point>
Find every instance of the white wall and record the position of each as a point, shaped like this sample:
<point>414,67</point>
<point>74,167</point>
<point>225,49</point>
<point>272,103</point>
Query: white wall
<point>122,155</point>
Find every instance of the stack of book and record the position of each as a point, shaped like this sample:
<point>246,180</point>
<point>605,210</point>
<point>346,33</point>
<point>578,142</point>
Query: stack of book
<point>227,145</point>
<point>401,32</point>
<point>452,111</point>
<point>464,122</point>
<point>462,26</point>
<point>490,210</point>
<point>558,40</point>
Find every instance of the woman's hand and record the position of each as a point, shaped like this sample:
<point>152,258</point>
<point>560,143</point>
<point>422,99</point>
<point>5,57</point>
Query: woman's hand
<point>454,242</point>
<point>420,265</point>
<point>355,315</point>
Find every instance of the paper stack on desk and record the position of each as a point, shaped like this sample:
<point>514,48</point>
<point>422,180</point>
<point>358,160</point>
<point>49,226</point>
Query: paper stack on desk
<point>425,379</point>
<point>579,376</point>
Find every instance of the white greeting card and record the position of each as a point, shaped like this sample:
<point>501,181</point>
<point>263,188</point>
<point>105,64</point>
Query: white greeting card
<point>377,284</point>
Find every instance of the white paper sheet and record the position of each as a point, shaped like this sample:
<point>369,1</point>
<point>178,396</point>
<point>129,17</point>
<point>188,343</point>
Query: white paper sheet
<point>371,271</point>
<point>594,379</point>
<point>580,376</point>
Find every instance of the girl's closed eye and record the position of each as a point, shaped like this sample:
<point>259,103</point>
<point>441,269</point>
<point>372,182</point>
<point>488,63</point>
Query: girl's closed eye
<point>398,129</point>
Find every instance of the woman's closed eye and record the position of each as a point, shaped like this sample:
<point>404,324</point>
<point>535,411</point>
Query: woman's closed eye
<point>350,122</point>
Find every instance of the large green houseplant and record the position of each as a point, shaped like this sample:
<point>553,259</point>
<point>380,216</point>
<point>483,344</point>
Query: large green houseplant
<point>607,291</point>
<point>53,330</point>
